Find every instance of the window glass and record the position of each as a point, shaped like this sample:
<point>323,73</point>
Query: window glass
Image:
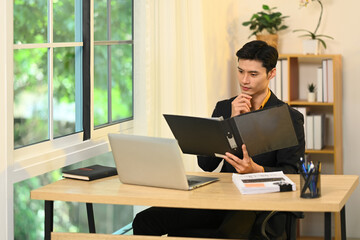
<point>122,85</point>
<point>113,61</point>
<point>100,20</point>
<point>30,96</point>
<point>100,85</point>
<point>64,91</point>
<point>121,20</point>
<point>30,21</point>
<point>64,20</point>
<point>44,71</point>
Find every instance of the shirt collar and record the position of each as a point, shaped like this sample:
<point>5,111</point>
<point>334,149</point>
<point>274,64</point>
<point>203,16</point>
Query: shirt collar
<point>265,100</point>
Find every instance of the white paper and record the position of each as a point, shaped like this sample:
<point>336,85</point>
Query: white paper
<point>255,183</point>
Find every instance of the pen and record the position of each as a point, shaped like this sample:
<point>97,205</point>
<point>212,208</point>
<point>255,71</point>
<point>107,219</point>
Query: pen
<point>316,181</point>
<point>307,183</point>
<point>303,165</point>
<point>312,178</point>
<point>318,167</point>
<point>311,166</point>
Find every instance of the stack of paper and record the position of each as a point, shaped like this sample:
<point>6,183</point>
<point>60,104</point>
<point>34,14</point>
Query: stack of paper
<point>267,182</point>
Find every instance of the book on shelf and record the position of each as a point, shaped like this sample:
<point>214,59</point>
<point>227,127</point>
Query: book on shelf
<point>315,131</point>
<point>285,80</point>
<point>319,85</point>
<point>319,131</point>
<point>330,80</point>
<point>309,132</point>
<point>261,131</point>
<point>90,173</point>
<point>278,80</point>
<point>279,85</point>
<point>267,182</point>
<point>325,80</point>
<point>326,93</point>
<point>303,111</point>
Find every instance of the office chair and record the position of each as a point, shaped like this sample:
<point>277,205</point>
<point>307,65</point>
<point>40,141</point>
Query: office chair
<point>261,232</point>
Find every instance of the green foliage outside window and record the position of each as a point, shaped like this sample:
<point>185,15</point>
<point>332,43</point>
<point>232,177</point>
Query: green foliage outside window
<point>30,21</point>
<point>64,20</point>
<point>30,96</point>
<point>121,90</point>
<point>31,75</point>
<point>121,84</point>
<point>64,91</point>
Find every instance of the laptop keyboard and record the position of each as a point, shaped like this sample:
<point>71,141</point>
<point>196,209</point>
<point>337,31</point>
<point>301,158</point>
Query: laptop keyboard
<point>192,182</point>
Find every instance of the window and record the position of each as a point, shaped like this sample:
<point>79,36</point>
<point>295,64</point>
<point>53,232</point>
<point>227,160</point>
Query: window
<point>51,76</point>
<point>49,61</point>
<point>113,65</point>
<point>46,80</point>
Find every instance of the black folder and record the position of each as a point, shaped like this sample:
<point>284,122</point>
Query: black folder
<point>262,131</point>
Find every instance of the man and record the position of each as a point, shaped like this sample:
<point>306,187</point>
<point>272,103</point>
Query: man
<point>256,67</point>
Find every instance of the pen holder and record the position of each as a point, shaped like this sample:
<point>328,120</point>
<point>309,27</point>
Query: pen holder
<point>310,185</point>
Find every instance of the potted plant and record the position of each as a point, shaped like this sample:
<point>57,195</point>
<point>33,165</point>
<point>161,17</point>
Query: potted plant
<point>266,21</point>
<point>311,45</point>
<point>311,92</point>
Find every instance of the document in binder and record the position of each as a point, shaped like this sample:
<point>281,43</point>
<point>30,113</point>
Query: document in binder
<point>261,131</point>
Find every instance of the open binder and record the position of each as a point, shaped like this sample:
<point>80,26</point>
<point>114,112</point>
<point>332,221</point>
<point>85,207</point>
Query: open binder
<point>261,131</point>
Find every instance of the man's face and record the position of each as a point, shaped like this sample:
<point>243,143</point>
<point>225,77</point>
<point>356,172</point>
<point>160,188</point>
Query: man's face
<point>252,77</point>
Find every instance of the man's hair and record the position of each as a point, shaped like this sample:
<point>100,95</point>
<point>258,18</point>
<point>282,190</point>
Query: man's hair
<point>260,51</point>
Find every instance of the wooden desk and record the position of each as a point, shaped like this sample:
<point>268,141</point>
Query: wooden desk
<point>335,191</point>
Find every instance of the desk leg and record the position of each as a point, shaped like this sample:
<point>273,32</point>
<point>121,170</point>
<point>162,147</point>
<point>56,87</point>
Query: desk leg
<point>49,219</point>
<point>91,221</point>
<point>343,223</point>
<point>328,225</point>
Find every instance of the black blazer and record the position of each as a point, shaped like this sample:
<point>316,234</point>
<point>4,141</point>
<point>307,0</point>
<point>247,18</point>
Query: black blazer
<point>280,160</point>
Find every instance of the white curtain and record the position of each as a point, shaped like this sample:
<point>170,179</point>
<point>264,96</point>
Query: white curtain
<point>175,65</point>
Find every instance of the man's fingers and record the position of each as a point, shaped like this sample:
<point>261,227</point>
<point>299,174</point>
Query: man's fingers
<point>233,163</point>
<point>240,100</point>
<point>245,152</point>
<point>240,106</point>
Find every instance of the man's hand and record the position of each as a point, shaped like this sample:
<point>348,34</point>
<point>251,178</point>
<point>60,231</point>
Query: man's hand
<point>245,165</point>
<point>241,104</point>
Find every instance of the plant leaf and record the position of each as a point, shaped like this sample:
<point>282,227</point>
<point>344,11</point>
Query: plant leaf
<point>322,42</point>
<point>305,35</point>
<point>301,30</point>
<point>266,20</point>
<point>321,35</point>
<point>282,27</point>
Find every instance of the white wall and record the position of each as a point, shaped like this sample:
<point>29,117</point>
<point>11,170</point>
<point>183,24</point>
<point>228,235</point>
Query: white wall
<point>224,35</point>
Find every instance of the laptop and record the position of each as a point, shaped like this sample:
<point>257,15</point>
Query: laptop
<point>150,161</point>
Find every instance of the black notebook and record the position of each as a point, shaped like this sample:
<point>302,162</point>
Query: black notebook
<point>261,131</point>
<point>90,173</point>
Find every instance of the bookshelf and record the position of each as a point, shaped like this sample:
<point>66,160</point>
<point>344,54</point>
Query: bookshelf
<point>299,71</point>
